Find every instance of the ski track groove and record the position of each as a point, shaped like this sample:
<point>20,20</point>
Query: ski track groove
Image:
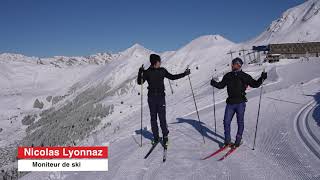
<point>275,143</point>
<point>287,158</point>
<point>307,124</point>
<point>305,111</point>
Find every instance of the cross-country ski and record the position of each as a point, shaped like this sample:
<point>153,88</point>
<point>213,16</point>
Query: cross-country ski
<point>231,150</point>
<point>164,155</point>
<point>151,150</point>
<point>223,148</point>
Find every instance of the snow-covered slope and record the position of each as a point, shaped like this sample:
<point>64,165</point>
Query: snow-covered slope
<point>203,55</point>
<point>23,81</point>
<point>298,24</point>
<point>205,42</point>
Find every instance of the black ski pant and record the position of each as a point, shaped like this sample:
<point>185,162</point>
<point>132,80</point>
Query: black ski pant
<point>157,106</point>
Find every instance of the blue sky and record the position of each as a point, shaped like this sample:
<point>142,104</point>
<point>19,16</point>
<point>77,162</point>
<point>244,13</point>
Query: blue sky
<point>83,27</point>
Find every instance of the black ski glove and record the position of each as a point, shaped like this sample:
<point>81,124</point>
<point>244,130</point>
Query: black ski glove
<point>141,70</point>
<point>213,82</point>
<point>187,72</point>
<point>264,75</point>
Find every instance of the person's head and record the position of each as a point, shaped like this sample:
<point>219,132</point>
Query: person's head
<point>155,60</point>
<point>236,64</point>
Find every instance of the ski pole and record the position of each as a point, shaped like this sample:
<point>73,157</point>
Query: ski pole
<point>141,81</point>
<point>170,86</point>
<point>195,103</point>
<point>255,134</point>
<point>214,112</point>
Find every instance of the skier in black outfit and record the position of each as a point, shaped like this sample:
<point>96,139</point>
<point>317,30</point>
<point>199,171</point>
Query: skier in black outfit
<point>237,82</point>
<point>155,75</point>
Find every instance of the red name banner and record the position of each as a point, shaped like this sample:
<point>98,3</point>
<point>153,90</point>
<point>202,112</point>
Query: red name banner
<point>100,152</point>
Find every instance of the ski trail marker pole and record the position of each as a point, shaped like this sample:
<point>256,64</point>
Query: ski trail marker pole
<point>255,133</point>
<point>195,103</point>
<point>141,81</point>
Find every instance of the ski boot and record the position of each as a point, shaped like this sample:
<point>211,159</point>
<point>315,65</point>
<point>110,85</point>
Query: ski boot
<point>237,143</point>
<point>229,144</point>
<point>155,141</point>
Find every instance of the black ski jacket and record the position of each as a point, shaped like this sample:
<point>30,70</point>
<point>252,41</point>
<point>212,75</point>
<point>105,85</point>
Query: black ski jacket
<point>155,78</point>
<point>237,83</point>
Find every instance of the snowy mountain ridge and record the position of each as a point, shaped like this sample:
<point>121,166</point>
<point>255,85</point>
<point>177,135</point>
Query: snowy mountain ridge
<point>67,61</point>
<point>59,61</point>
<point>136,50</point>
<point>207,41</point>
<point>297,24</point>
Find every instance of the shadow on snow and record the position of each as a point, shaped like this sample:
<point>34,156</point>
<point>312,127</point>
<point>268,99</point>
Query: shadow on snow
<point>202,129</point>
<point>145,133</point>
<point>316,112</point>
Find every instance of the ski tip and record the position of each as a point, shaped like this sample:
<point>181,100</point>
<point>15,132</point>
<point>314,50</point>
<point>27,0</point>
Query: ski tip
<point>164,155</point>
